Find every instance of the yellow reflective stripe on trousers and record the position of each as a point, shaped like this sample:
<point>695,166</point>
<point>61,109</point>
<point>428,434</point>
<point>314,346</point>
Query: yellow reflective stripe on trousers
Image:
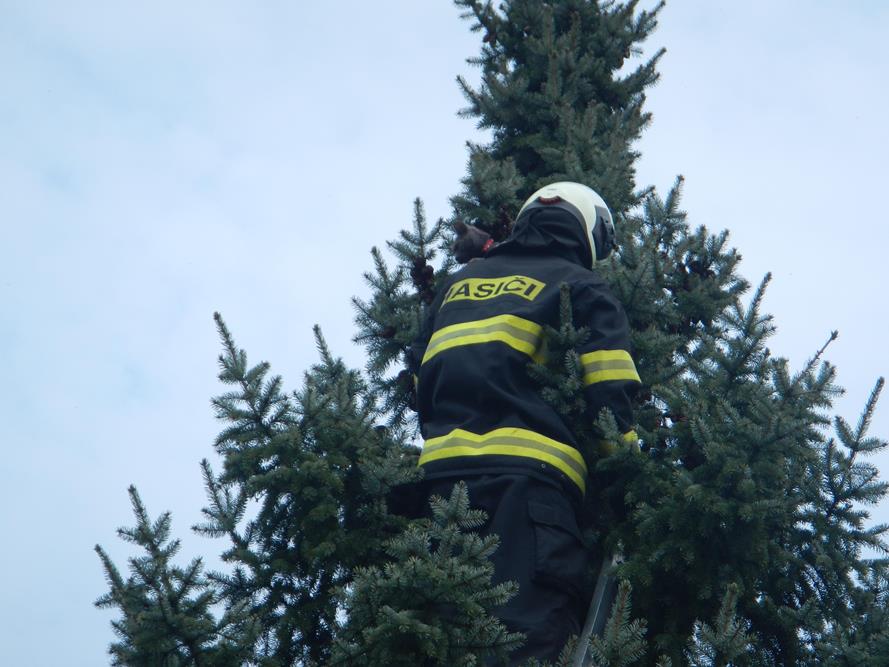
<point>603,365</point>
<point>508,442</point>
<point>520,334</point>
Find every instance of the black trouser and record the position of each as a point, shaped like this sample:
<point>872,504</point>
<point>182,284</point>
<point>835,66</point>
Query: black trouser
<point>540,549</point>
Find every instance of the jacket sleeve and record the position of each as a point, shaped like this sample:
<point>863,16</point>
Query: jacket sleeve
<point>609,373</point>
<point>417,349</point>
<point>418,346</point>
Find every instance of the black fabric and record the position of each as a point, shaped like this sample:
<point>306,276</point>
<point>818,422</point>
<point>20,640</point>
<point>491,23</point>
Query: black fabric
<point>483,387</point>
<point>548,230</point>
<point>540,549</point>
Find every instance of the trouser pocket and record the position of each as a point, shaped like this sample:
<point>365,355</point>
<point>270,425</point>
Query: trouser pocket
<point>559,554</point>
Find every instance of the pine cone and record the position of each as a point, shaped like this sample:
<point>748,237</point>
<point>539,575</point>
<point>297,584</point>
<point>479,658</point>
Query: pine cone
<point>700,268</point>
<point>422,274</point>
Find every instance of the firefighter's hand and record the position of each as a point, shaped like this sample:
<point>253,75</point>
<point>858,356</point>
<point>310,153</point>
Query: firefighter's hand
<point>471,242</point>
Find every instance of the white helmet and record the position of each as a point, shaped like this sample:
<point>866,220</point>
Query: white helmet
<point>586,205</point>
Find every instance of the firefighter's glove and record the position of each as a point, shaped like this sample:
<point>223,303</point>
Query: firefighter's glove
<point>471,242</point>
<point>407,383</point>
<point>628,441</point>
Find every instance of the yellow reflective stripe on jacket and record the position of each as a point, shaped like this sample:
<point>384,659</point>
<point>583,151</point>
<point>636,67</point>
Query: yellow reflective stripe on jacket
<point>508,442</point>
<point>603,365</point>
<point>520,334</point>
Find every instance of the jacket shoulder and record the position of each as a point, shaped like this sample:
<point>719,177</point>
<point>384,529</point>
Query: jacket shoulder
<point>590,291</point>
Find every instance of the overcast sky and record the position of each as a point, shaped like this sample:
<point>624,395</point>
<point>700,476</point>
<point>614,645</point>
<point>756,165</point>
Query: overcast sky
<point>159,161</point>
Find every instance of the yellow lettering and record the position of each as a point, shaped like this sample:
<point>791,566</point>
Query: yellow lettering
<point>480,289</point>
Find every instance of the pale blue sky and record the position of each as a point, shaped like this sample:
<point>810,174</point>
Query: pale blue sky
<point>159,161</point>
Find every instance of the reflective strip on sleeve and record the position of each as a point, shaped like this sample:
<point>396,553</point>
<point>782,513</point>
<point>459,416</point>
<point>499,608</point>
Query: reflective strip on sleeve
<point>520,334</point>
<point>508,442</point>
<point>603,365</point>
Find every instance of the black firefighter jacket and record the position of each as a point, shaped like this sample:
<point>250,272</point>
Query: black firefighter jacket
<point>479,409</point>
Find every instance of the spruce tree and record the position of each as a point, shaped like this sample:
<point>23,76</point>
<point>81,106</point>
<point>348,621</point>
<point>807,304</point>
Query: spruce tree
<point>555,101</point>
<point>167,610</point>
<point>739,487</point>
<point>741,518</point>
<point>389,320</point>
<point>303,502</point>
<point>432,603</point>
<point>319,469</point>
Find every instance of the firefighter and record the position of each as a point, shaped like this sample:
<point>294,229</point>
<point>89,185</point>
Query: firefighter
<point>483,420</point>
